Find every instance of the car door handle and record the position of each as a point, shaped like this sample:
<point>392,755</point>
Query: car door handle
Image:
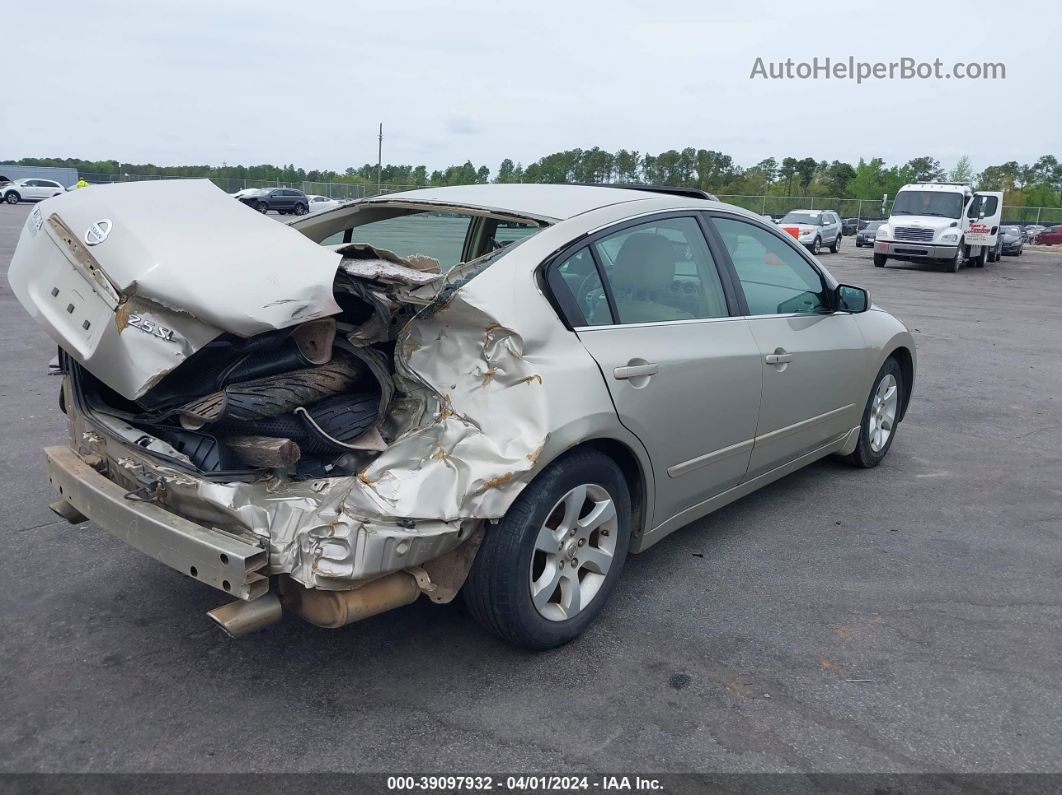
<point>635,371</point>
<point>778,358</point>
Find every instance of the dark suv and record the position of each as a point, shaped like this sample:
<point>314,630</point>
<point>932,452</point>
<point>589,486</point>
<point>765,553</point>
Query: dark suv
<point>283,200</point>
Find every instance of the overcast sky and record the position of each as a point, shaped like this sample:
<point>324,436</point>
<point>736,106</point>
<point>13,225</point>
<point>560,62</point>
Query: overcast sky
<point>306,82</point>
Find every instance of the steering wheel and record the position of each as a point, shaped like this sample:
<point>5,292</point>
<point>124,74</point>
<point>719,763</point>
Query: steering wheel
<point>585,292</point>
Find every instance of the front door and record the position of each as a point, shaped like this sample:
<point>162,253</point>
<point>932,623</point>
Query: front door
<point>812,360</point>
<point>983,217</point>
<point>683,373</point>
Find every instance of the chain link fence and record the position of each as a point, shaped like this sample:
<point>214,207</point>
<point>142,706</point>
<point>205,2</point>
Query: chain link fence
<point>775,206</point>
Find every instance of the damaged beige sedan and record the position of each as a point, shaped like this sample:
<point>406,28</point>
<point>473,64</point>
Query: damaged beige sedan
<point>499,390</point>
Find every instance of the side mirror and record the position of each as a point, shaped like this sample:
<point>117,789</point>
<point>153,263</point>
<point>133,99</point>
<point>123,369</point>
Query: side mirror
<point>851,299</point>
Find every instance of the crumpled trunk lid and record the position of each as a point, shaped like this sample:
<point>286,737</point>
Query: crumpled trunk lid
<point>132,279</point>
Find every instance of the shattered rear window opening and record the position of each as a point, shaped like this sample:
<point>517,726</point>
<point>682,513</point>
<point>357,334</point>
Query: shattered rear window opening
<point>448,238</point>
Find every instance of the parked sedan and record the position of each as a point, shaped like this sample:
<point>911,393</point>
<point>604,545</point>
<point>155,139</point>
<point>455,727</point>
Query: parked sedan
<point>332,417</point>
<point>1031,232</point>
<point>1051,236</point>
<point>866,235</point>
<point>30,189</point>
<point>321,203</point>
<point>1013,241</point>
<point>282,200</point>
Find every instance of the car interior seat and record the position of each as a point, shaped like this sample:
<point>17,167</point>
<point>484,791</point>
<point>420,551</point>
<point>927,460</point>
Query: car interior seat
<point>643,274</point>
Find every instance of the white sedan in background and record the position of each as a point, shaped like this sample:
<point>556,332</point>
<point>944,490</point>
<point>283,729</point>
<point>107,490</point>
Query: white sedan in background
<point>321,203</point>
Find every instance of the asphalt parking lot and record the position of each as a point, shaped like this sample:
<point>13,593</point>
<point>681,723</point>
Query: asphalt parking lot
<point>907,618</point>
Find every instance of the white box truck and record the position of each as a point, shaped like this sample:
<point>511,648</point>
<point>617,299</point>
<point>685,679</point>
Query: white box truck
<point>941,222</point>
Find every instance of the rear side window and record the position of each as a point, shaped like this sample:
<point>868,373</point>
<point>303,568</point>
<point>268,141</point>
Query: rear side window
<point>578,275</point>
<point>776,280</point>
<point>661,271</point>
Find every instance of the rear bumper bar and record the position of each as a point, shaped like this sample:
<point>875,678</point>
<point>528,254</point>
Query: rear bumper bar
<point>220,559</point>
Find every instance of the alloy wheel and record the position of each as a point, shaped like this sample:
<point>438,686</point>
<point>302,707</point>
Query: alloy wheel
<point>574,550</point>
<point>883,413</point>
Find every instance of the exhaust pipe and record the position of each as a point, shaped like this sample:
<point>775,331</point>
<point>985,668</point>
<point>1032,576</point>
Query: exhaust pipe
<point>332,609</point>
<point>241,618</point>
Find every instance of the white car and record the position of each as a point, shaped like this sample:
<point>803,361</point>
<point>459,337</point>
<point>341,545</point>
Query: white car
<point>30,189</point>
<point>321,203</point>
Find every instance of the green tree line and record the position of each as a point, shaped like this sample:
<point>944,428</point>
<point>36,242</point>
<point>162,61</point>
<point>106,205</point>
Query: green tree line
<point>1035,184</point>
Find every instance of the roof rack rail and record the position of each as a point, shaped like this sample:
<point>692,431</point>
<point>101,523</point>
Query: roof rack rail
<point>689,193</point>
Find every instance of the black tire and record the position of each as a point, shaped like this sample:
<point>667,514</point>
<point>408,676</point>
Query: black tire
<point>835,245</point>
<point>864,455</point>
<point>858,244</point>
<point>1020,250</point>
<point>498,588</point>
<point>880,260</point>
<point>263,208</point>
<point>12,197</point>
<point>300,209</point>
<point>980,260</point>
<point>815,246</point>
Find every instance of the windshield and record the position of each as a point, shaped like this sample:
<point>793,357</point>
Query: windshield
<point>873,225</point>
<point>927,202</point>
<point>1011,230</point>
<point>797,217</point>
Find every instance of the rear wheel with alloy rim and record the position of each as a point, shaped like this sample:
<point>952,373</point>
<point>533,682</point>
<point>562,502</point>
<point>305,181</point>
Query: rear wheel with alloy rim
<point>880,417</point>
<point>546,569</point>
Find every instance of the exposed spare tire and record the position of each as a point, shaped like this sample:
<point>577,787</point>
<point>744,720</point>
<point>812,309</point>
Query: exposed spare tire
<point>275,394</point>
<point>327,426</point>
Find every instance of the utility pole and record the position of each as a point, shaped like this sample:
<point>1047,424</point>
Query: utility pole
<point>379,161</point>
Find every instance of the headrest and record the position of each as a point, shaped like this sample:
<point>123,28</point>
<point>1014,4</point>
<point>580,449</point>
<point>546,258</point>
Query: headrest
<point>645,262</point>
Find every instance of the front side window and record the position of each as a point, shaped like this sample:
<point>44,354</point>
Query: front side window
<point>661,271</point>
<point>509,232</point>
<point>776,279</point>
<point>982,206</point>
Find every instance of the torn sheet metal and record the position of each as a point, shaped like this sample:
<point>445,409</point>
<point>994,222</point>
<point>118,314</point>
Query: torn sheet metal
<point>467,419</point>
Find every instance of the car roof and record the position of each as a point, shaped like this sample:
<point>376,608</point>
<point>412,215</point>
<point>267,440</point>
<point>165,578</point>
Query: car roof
<point>557,202</point>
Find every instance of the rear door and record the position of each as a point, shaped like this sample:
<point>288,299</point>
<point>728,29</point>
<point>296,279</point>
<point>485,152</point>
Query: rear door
<point>983,215</point>
<point>812,361</point>
<point>683,372</point>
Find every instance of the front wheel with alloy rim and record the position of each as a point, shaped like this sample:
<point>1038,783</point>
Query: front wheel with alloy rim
<point>263,207</point>
<point>880,417</point>
<point>815,246</point>
<point>836,244</point>
<point>300,209</point>
<point>955,262</point>
<point>546,569</point>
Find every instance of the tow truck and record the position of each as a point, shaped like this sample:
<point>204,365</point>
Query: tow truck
<point>943,223</point>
